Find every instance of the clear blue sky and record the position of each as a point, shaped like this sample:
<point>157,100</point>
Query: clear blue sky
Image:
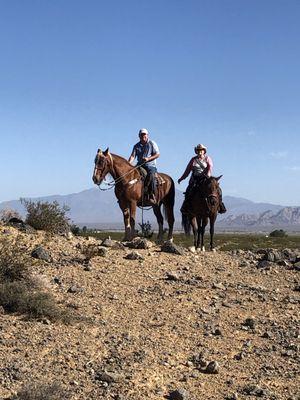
<point>76,75</point>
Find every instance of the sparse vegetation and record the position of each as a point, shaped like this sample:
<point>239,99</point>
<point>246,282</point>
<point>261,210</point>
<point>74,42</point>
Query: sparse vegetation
<point>75,229</point>
<point>18,290</point>
<point>147,231</point>
<point>224,241</point>
<point>14,264</point>
<point>40,391</point>
<point>7,214</point>
<point>278,233</point>
<point>50,217</point>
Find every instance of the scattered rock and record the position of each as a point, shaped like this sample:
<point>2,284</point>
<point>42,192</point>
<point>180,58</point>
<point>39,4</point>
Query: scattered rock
<point>172,276</point>
<point>218,286</point>
<point>134,255</point>
<point>109,377</point>
<point>179,394</point>
<point>170,247</point>
<point>75,289</point>
<point>264,264</point>
<point>296,266</point>
<point>253,390</point>
<point>41,254</point>
<point>213,367</point>
<point>107,242</point>
<point>249,322</point>
<point>139,243</point>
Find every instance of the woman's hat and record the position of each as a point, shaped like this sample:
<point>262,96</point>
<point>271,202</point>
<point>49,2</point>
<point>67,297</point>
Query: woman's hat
<point>200,147</point>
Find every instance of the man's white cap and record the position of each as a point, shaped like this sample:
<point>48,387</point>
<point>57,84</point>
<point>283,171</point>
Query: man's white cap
<point>143,130</point>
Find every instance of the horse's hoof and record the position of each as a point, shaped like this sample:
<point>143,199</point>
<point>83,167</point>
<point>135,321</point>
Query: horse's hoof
<point>213,250</point>
<point>202,249</point>
<point>192,249</point>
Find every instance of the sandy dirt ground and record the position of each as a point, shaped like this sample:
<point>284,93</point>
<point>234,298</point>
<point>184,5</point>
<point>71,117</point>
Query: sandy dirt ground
<point>209,325</point>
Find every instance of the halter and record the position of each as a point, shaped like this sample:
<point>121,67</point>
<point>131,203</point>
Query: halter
<point>111,185</point>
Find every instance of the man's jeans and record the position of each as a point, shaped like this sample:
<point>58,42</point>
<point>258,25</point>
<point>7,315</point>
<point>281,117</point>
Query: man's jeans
<point>151,177</point>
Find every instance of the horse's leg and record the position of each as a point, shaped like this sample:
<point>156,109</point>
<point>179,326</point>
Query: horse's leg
<point>199,222</point>
<point>160,221</point>
<point>212,221</point>
<point>195,231</point>
<point>204,221</point>
<point>126,215</point>
<point>132,209</point>
<point>169,214</point>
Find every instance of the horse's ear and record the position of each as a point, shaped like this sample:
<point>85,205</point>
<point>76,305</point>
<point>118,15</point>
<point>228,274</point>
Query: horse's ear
<point>99,151</point>
<point>106,152</point>
<point>219,177</point>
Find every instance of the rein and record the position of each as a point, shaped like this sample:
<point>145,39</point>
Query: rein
<point>119,179</point>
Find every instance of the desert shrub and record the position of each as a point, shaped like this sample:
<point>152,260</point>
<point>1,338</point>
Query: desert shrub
<point>75,229</point>
<point>18,289</point>
<point>147,231</point>
<point>13,296</point>
<point>40,391</point>
<point>7,214</point>
<point>50,217</point>
<point>14,263</point>
<point>18,297</point>
<point>278,233</point>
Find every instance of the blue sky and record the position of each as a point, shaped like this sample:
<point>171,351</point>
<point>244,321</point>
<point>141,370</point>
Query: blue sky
<point>78,75</point>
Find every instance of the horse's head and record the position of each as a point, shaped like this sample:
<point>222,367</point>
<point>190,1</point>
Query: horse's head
<point>103,165</point>
<point>211,188</point>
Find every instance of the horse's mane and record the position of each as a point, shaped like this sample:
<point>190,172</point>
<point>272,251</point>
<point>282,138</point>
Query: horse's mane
<point>121,159</point>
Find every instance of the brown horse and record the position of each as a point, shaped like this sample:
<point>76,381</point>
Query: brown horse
<point>203,205</point>
<point>129,191</point>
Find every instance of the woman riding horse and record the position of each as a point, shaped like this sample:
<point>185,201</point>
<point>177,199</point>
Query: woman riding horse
<point>201,166</point>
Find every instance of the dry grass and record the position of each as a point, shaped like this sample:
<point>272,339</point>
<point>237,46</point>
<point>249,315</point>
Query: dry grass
<point>40,391</point>
<point>19,292</point>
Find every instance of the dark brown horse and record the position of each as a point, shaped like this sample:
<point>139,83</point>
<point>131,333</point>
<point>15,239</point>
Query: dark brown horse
<point>203,205</point>
<point>129,191</point>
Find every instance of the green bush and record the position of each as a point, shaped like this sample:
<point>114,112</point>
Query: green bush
<point>278,233</point>
<point>14,263</point>
<point>147,231</point>
<point>46,216</point>
<point>75,229</point>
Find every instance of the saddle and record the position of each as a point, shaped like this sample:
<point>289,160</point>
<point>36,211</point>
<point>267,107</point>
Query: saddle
<point>158,181</point>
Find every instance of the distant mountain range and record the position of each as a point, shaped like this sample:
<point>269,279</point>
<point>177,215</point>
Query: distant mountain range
<point>97,208</point>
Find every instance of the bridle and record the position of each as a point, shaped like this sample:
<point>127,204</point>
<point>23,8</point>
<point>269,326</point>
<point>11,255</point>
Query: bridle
<point>111,170</point>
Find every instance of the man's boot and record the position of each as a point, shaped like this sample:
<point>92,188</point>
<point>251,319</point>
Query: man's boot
<point>152,199</point>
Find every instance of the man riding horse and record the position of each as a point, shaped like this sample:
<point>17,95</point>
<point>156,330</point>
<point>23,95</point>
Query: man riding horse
<point>146,152</point>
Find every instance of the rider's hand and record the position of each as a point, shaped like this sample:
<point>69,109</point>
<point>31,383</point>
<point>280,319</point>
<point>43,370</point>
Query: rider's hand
<point>145,159</point>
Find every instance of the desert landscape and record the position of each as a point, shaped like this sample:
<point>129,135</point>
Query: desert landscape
<point>140,321</point>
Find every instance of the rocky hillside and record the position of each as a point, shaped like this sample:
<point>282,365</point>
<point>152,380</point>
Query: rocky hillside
<point>150,324</point>
<point>287,216</point>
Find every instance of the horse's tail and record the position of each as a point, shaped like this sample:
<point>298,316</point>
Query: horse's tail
<point>170,200</point>
<point>186,224</point>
